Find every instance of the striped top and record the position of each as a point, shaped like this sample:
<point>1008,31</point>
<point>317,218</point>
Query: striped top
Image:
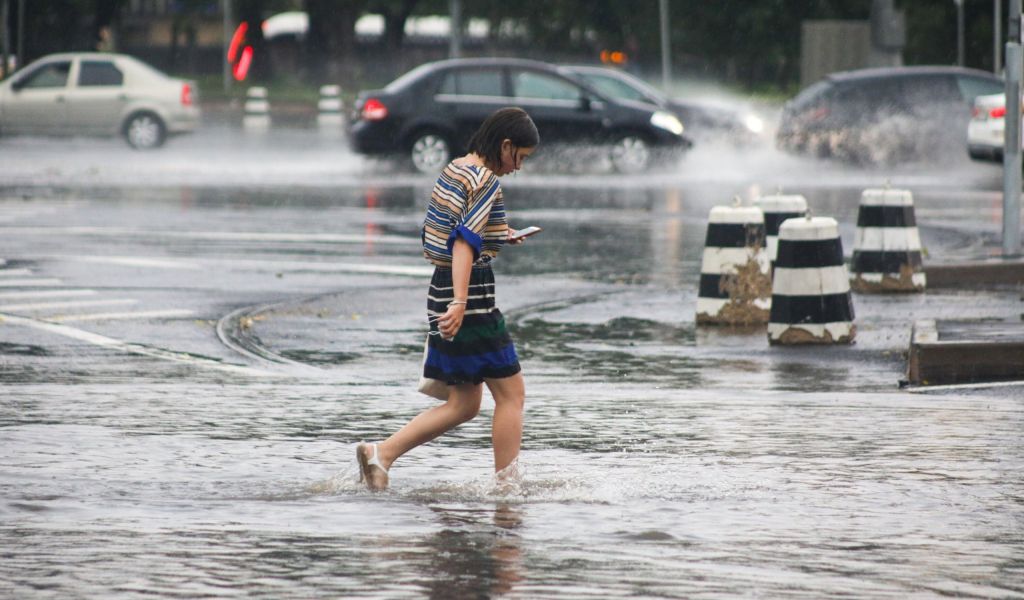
<point>466,203</point>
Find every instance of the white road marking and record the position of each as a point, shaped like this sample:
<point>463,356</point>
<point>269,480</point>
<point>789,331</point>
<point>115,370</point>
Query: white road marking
<point>46,294</point>
<point>329,267</point>
<point>261,265</point>
<point>131,261</point>
<point>14,272</point>
<point>29,282</point>
<point>142,314</point>
<point>99,340</point>
<point>250,236</point>
<point>69,304</point>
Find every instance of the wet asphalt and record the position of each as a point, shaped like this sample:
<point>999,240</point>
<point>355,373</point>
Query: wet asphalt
<point>192,340</point>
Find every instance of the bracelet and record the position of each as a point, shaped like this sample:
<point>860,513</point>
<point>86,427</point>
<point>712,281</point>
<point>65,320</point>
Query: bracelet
<point>456,302</point>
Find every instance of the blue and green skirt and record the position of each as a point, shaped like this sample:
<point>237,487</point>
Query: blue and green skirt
<point>482,348</point>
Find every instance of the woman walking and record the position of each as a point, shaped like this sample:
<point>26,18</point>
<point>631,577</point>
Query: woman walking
<point>468,344</point>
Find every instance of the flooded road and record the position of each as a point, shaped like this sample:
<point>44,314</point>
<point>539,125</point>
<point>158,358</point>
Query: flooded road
<point>185,370</point>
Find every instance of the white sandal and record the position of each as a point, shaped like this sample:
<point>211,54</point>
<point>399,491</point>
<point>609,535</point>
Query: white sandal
<point>365,474</point>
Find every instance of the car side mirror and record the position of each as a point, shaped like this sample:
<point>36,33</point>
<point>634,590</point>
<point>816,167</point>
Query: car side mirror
<point>585,104</point>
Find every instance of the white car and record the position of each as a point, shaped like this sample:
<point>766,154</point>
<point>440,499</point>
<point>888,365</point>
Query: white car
<point>91,93</point>
<point>986,127</point>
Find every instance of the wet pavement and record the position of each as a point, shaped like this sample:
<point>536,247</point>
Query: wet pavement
<point>178,414</point>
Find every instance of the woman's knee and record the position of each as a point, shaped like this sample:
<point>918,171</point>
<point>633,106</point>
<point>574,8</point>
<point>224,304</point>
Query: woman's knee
<point>509,392</point>
<point>465,403</point>
<point>468,411</point>
<point>515,399</point>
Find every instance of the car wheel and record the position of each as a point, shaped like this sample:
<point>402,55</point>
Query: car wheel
<point>144,131</point>
<point>630,153</point>
<point>430,152</point>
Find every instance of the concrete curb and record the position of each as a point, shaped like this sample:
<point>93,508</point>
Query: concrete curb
<point>987,272</point>
<point>960,351</point>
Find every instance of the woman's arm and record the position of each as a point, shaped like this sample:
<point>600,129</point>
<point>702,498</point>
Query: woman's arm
<point>462,264</point>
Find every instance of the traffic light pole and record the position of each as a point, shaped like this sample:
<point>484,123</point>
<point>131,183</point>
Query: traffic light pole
<point>666,55</point>
<point>1012,139</point>
<point>228,22</point>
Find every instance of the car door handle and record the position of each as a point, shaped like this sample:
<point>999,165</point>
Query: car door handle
<point>60,98</point>
<point>122,96</point>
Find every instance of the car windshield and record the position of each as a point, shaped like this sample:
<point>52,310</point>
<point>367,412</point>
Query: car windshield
<point>972,87</point>
<point>611,85</point>
<point>811,95</point>
<point>408,78</point>
<point>141,70</point>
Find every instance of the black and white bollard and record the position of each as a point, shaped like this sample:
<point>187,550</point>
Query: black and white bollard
<point>329,109</point>
<point>257,110</point>
<point>735,287</point>
<point>811,301</point>
<point>777,208</point>
<point>887,245</point>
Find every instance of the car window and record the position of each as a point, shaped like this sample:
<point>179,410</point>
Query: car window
<point>972,87</point>
<point>871,97</point>
<point>479,82</point>
<point>448,85</point>
<point>472,82</point>
<point>930,89</point>
<point>614,87</point>
<point>50,75</point>
<point>99,73</point>
<point>531,84</point>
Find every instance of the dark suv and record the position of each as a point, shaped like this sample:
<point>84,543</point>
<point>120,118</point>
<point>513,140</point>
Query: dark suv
<point>429,113</point>
<point>887,115</point>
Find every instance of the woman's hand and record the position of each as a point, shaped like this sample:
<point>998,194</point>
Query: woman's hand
<point>451,320</point>
<point>511,233</point>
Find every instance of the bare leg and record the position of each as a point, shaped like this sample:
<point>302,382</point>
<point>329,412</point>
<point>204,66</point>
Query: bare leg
<point>507,429</point>
<point>463,404</point>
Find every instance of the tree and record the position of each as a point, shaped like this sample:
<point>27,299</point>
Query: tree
<point>331,39</point>
<point>395,13</point>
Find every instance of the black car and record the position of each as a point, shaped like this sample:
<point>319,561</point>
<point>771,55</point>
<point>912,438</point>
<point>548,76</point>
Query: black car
<point>704,120</point>
<point>429,113</point>
<point>876,116</point>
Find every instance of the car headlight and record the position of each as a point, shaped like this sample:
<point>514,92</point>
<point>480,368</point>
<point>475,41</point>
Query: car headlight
<point>753,123</point>
<point>667,121</point>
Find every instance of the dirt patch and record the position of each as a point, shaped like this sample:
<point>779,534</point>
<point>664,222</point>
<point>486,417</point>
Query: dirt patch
<point>902,283</point>
<point>746,286</point>
<point>797,336</point>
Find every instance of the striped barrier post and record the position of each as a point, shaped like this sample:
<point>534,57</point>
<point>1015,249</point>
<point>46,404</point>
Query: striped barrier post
<point>257,110</point>
<point>329,108</point>
<point>777,208</point>
<point>811,301</point>
<point>887,245</point>
<point>735,287</point>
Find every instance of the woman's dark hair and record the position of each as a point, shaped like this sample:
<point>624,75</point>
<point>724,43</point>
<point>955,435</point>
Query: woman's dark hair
<point>511,124</point>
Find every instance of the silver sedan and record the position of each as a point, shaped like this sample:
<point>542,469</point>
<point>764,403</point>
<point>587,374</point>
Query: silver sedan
<point>90,93</point>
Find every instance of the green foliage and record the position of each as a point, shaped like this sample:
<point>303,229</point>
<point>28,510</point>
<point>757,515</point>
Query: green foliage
<point>752,43</point>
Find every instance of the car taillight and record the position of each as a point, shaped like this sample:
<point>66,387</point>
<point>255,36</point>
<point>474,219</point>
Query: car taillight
<point>997,113</point>
<point>374,110</point>
<point>186,94</point>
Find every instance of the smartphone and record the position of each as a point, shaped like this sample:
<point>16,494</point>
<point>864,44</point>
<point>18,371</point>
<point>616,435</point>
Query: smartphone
<point>525,233</point>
